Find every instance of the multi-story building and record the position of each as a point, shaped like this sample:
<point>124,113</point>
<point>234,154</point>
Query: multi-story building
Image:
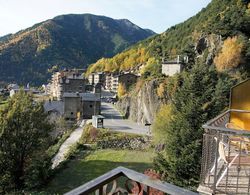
<point>98,77</point>
<point>108,81</point>
<point>55,86</point>
<point>127,79</point>
<point>66,81</point>
<point>114,83</point>
<point>78,100</point>
<point>111,81</point>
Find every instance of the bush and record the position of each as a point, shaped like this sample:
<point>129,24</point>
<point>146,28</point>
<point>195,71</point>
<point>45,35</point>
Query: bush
<point>137,143</point>
<point>107,139</point>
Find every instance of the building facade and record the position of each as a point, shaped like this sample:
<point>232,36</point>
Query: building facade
<point>113,80</point>
<point>71,81</point>
<point>171,68</point>
<point>82,105</point>
<point>78,99</point>
<point>98,77</point>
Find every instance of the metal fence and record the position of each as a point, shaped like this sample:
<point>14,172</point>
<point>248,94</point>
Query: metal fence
<point>225,158</point>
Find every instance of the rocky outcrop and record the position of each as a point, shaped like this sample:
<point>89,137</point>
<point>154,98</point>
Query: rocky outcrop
<point>141,106</point>
<point>209,45</point>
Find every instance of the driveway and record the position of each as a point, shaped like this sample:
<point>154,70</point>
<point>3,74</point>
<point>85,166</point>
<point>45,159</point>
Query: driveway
<point>114,121</point>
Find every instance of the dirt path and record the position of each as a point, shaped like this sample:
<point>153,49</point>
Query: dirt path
<point>73,138</point>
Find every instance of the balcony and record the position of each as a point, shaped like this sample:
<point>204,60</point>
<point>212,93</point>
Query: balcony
<point>125,181</point>
<point>225,165</point>
<point>225,157</point>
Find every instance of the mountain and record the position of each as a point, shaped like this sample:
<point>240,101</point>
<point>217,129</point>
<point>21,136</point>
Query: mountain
<point>5,37</point>
<point>66,41</point>
<point>203,35</point>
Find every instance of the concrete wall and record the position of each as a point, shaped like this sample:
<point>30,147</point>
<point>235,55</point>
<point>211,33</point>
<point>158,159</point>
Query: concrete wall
<point>171,69</point>
<point>73,85</point>
<point>91,108</point>
<point>72,105</point>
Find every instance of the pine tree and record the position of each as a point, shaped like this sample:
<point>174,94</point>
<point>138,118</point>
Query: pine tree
<point>193,104</point>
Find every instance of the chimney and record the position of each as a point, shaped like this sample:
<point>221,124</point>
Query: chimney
<point>178,59</point>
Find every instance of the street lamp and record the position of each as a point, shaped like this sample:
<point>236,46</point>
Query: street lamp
<point>148,125</point>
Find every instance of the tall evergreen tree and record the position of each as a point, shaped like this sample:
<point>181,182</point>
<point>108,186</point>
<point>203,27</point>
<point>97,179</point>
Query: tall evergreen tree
<point>197,99</point>
<point>24,136</point>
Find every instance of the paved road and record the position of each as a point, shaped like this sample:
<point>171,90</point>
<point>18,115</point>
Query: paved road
<point>113,120</point>
<point>72,139</point>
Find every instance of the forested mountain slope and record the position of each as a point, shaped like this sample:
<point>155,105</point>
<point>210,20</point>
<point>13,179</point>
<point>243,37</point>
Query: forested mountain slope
<point>204,33</point>
<point>71,41</point>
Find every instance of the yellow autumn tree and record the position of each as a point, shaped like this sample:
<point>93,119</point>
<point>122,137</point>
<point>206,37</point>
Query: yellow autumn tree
<point>161,90</point>
<point>161,123</point>
<point>121,91</point>
<point>230,55</point>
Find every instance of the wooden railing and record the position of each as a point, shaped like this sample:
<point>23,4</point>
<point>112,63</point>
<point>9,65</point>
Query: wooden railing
<point>125,181</point>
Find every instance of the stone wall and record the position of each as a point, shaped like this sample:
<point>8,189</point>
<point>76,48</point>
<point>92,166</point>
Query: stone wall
<point>137,143</point>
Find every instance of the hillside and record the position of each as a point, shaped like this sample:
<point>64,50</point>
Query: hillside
<point>217,43</point>
<point>203,34</point>
<point>64,41</point>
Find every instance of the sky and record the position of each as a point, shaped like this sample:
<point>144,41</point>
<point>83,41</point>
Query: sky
<point>157,15</point>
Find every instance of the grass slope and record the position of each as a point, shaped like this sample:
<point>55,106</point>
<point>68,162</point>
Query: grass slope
<point>87,167</point>
<point>3,104</point>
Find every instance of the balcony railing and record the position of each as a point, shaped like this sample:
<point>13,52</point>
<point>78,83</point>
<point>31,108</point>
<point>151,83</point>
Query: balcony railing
<point>125,181</point>
<point>225,156</point>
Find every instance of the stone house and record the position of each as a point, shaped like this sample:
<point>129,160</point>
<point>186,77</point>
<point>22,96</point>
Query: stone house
<point>169,68</point>
<point>77,98</point>
<point>81,105</point>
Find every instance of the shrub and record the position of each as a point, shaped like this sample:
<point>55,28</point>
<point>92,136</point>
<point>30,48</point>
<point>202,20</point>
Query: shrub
<point>121,90</point>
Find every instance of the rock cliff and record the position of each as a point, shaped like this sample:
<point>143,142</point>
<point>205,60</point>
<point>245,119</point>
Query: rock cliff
<point>141,106</point>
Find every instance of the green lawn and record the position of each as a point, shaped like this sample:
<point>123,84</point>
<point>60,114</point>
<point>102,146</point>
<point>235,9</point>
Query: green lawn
<point>83,169</point>
<point>3,104</point>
